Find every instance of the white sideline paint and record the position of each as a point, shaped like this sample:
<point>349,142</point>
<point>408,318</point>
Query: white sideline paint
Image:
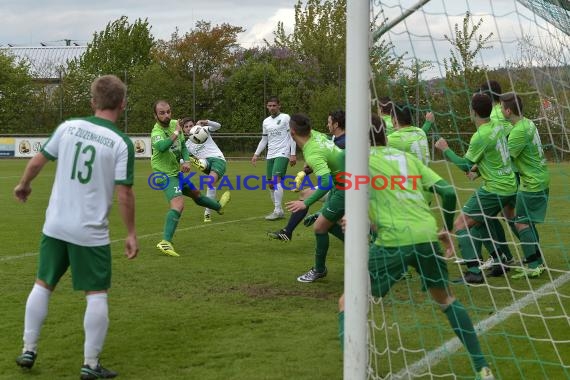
<point>433,357</point>
<point>197,227</point>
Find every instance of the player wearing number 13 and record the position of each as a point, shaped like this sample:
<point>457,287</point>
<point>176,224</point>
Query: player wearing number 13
<point>94,160</point>
<point>488,150</point>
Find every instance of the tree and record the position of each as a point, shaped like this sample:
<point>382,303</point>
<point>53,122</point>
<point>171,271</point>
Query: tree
<point>466,45</point>
<point>462,75</point>
<point>118,48</point>
<point>319,35</point>
<point>17,93</point>
<point>121,49</point>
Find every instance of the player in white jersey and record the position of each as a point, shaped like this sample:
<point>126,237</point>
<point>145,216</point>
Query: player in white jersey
<point>211,159</point>
<point>94,159</point>
<point>281,150</point>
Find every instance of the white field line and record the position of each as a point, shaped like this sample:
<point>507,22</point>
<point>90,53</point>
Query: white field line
<point>197,227</point>
<point>433,357</point>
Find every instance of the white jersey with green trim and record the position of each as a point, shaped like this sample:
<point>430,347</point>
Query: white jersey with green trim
<point>92,157</point>
<point>279,141</point>
<point>208,149</point>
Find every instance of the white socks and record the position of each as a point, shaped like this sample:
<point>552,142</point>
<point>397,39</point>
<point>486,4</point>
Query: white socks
<point>36,312</point>
<point>210,193</point>
<point>95,323</point>
<point>278,198</point>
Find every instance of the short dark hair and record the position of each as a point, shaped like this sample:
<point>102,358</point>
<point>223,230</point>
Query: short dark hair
<point>493,89</point>
<point>159,101</point>
<point>301,124</point>
<point>338,117</point>
<point>482,104</point>
<point>385,104</point>
<point>513,102</point>
<point>403,113</point>
<point>378,131</point>
<point>186,120</point>
<point>273,98</point>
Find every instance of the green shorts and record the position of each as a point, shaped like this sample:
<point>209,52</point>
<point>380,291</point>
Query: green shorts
<point>173,189</point>
<point>483,203</point>
<point>531,207</point>
<point>216,165</point>
<point>277,167</point>
<point>90,266</point>
<point>386,265</point>
<point>333,209</point>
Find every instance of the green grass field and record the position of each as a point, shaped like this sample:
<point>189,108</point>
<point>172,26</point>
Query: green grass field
<point>230,307</point>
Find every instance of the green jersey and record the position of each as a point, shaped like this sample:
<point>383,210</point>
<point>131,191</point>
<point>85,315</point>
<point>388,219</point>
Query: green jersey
<point>167,161</point>
<point>488,149</point>
<point>323,156</point>
<point>526,151</point>
<point>412,140</point>
<point>400,212</point>
<point>389,125</point>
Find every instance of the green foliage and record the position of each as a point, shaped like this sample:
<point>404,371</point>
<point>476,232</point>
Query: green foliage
<point>319,35</point>
<point>17,92</point>
<point>119,48</point>
<point>462,75</point>
<point>122,49</point>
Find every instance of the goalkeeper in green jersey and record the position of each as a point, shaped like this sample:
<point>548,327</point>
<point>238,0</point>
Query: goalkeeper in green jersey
<point>526,152</point>
<point>168,149</point>
<point>327,161</point>
<point>488,150</point>
<point>407,235</point>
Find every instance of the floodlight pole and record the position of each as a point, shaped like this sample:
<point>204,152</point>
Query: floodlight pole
<point>356,247</point>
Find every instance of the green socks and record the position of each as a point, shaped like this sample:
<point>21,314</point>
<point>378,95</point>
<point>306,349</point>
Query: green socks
<point>172,218</point>
<point>341,329</point>
<point>529,243</point>
<point>463,328</point>
<point>470,247</point>
<point>208,202</point>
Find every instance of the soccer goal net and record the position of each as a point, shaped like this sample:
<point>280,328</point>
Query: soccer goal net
<point>433,56</point>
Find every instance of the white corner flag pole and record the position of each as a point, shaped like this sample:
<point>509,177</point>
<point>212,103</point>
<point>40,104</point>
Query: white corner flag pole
<point>356,208</point>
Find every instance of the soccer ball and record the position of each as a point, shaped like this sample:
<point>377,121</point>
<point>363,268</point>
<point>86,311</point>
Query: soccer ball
<point>198,134</point>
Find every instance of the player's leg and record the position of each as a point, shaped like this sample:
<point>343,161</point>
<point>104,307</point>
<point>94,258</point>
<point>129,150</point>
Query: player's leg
<point>278,171</point>
<point>469,233</point>
<point>53,263</point>
<point>472,228</point>
<point>173,195</point>
<point>341,321</point>
<point>332,212</point>
<point>286,233</point>
<point>434,276</point>
<point>204,201</point>
<point>269,177</point>
<point>385,267</point>
<point>530,210</point>
<point>216,169</point>
<point>91,272</point>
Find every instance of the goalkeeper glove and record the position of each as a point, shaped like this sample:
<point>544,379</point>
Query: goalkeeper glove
<point>299,180</point>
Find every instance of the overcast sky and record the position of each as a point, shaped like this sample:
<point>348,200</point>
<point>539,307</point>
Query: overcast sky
<point>30,22</point>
